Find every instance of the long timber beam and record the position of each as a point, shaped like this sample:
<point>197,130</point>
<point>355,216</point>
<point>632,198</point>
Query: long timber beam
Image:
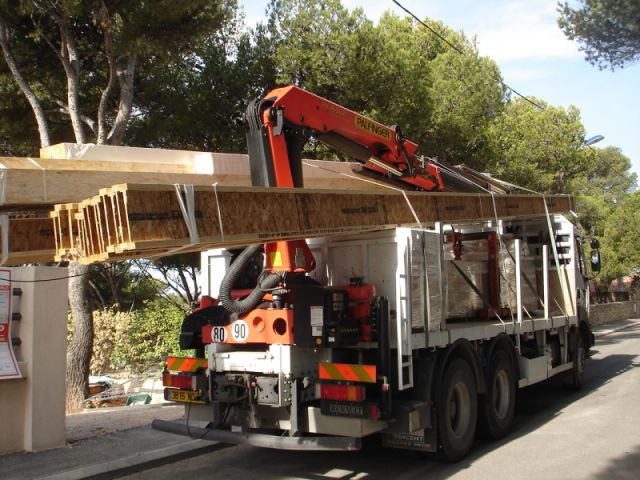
<point>128,220</point>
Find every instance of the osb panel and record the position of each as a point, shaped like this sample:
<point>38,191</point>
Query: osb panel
<point>149,217</point>
<point>154,216</point>
<point>260,214</point>
<point>31,234</point>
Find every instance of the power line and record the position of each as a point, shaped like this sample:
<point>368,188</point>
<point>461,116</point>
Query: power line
<point>51,279</point>
<point>461,52</point>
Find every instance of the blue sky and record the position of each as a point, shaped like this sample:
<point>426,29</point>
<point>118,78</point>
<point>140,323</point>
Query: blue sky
<point>535,58</point>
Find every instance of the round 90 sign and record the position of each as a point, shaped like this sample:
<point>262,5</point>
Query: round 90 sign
<point>240,331</point>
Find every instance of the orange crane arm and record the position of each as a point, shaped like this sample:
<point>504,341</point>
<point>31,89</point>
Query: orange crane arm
<point>282,121</point>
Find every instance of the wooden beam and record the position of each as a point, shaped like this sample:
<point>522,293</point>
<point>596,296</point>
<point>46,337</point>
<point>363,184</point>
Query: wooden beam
<point>27,181</point>
<point>27,237</point>
<point>148,217</point>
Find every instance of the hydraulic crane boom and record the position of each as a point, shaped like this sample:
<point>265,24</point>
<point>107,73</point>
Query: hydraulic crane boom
<point>282,122</point>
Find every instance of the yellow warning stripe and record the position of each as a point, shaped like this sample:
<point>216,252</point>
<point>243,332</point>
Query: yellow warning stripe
<point>347,372</point>
<point>181,364</point>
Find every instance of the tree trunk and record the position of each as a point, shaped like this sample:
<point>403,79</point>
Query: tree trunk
<point>185,285</point>
<point>68,55</point>
<point>111,274</point>
<point>125,72</point>
<point>74,111</point>
<point>105,24</point>
<point>71,63</point>
<point>80,348</point>
<point>43,128</point>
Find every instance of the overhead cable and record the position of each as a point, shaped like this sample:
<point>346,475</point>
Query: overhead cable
<point>461,52</point>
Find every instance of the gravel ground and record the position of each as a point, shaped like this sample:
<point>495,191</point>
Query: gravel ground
<point>102,421</point>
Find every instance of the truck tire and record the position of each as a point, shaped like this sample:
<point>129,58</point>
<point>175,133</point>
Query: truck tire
<point>497,406</point>
<point>457,409</point>
<point>574,378</point>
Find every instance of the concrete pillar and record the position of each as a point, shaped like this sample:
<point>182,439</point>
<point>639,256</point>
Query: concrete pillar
<point>32,409</point>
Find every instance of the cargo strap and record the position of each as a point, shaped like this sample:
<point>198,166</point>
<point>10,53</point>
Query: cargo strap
<point>187,203</point>
<point>469,282</point>
<point>215,192</point>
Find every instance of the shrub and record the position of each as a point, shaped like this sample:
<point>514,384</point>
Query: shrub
<point>149,336</point>
<point>138,340</point>
<point>106,324</point>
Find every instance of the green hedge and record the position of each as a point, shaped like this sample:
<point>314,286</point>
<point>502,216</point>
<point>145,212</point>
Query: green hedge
<point>138,340</point>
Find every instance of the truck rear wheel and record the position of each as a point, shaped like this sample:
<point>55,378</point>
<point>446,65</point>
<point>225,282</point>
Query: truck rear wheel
<point>457,411</point>
<point>497,406</point>
<point>574,378</point>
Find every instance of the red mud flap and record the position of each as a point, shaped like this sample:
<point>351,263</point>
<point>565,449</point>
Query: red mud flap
<point>318,443</point>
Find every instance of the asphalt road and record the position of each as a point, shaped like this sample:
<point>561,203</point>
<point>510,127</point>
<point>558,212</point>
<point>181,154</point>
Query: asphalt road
<point>594,434</point>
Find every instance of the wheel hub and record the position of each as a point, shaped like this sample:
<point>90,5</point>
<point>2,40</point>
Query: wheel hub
<point>459,409</point>
<point>501,394</point>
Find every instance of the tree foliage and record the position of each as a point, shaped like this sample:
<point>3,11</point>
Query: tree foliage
<point>69,58</point>
<point>148,337</point>
<point>542,150</point>
<point>176,277</point>
<point>75,60</point>
<point>537,149</point>
<point>602,187</point>
<point>137,340</point>
<point>197,101</point>
<point>120,286</point>
<point>609,30</point>
<point>621,241</point>
<point>394,71</point>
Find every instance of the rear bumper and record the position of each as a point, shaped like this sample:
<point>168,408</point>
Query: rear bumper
<point>318,443</point>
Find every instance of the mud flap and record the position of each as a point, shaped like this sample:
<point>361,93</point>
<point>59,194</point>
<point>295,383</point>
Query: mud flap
<point>426,441</point>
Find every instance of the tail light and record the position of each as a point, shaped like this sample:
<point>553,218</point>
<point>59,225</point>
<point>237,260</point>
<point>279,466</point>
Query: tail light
<point>179,381</point>
<point>347,393</point>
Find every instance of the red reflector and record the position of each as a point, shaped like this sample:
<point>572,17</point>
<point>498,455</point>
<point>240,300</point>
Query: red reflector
<point>348,393</point>
<point>178,381</point>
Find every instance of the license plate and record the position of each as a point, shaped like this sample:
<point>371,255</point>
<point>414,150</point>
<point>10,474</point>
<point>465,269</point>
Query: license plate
<point>184,396</point>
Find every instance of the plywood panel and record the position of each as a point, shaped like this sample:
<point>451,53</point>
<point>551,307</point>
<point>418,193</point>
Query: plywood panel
<point>29,237</point>
<point>128,221</point>
<point>150,217</point>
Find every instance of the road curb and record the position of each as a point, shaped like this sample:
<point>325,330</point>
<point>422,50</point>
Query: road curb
<point>604,330</point>
<point>138,462</point>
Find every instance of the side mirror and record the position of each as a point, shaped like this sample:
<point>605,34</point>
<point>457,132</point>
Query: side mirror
<point>595,244</point>
<point>595,260</point>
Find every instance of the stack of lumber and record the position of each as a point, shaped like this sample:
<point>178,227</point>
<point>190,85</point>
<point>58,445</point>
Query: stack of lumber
<point>28,181</point>
<point>128,220</point>
<point>67,174</point>
<point>64,206</point>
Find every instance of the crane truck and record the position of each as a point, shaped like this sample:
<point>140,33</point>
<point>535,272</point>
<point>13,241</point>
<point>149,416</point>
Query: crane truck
<point>419,334</point>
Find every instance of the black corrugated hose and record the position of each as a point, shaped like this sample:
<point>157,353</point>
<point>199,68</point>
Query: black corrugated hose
<point>255,297</point>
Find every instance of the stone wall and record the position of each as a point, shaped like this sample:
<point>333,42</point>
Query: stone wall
<point>604,313</point>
